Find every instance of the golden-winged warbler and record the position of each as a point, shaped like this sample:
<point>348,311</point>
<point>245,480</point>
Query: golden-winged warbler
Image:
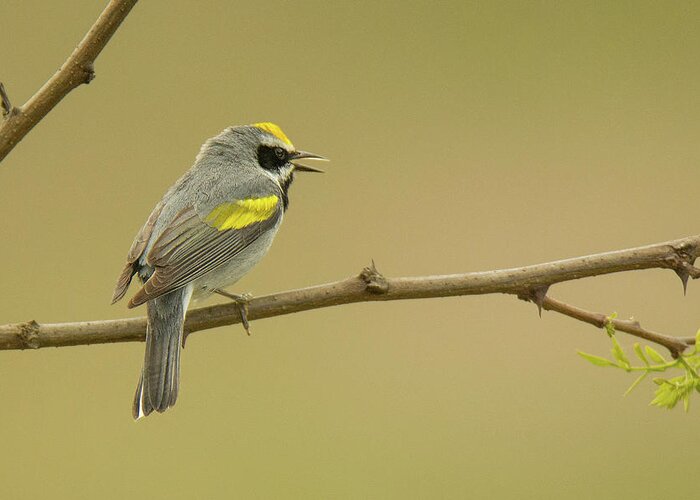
<point>211,227</point>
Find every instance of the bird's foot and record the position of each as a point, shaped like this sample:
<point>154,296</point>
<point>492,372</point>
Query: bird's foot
<point>242,302</point>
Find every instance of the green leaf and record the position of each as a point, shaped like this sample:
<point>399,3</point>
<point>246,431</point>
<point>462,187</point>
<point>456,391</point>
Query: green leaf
<point>640,354</point>
<point>596,360</point>
<point>689,369</point>
<point>655,356</point>
<point>693,360</point>
<point>667,395</point>
<point>636,383</point>
<point>618,353</point>
<point>671,391</point>
<point>697,341</point>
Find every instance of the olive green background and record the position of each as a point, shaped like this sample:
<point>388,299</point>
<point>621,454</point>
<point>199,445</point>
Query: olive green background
<point>463,137</point>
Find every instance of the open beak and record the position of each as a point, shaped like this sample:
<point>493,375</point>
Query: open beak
<point>304,155</point>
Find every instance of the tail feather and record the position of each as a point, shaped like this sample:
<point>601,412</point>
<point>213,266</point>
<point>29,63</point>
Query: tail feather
<point>160,378</point>
<point>141,407</point>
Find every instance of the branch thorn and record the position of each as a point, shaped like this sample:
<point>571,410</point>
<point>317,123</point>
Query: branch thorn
<point>683,274</point>
<point>537,295</point>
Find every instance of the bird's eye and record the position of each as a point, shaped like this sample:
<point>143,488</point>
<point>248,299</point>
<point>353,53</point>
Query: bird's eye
<point>281,153</point>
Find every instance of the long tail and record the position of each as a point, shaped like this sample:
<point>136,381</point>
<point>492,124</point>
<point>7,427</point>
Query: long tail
<point>160,377</point>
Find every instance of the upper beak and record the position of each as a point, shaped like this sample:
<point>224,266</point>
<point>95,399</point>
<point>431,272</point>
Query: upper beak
<point>304,155</point>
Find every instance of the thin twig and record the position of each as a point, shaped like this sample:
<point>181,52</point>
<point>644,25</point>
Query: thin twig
<point>370,285</point>
<point>77,69</point>
<point>676,345</point>
<point>6,104</point>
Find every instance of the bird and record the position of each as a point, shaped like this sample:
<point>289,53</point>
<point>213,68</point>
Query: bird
<point>210,229</point>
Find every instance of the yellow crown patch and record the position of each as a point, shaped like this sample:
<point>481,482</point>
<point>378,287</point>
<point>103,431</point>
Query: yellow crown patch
<point>274,130</point>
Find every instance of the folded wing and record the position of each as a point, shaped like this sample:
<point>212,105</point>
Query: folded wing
<point>191,246</point>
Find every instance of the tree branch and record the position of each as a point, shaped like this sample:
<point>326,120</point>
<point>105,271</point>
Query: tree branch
<point>676,345</point>
<point>77,69</point>
<point>528,282</point>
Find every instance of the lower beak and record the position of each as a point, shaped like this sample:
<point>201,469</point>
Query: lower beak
<point>304,155</point>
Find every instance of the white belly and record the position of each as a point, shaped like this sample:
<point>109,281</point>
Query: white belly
<point>237,267</point>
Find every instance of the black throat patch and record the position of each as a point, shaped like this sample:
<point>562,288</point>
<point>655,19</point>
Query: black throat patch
<point>284,184</point>
<point>274,160</point>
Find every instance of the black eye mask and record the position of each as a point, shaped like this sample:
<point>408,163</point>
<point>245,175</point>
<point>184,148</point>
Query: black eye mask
<point>272,158</point>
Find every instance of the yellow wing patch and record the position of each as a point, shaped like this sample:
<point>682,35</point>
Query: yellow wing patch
<point>242,213</point>
<point>274,130</point>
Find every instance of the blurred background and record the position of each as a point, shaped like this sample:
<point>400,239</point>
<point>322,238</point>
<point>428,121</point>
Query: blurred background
<point>464,136</point>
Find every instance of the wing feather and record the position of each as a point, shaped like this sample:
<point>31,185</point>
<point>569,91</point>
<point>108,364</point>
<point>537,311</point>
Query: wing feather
<point>189,248</point>
<point>137,248</point>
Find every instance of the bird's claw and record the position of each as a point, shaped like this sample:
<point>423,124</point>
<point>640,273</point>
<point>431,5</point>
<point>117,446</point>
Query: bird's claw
<point>242,302</point>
